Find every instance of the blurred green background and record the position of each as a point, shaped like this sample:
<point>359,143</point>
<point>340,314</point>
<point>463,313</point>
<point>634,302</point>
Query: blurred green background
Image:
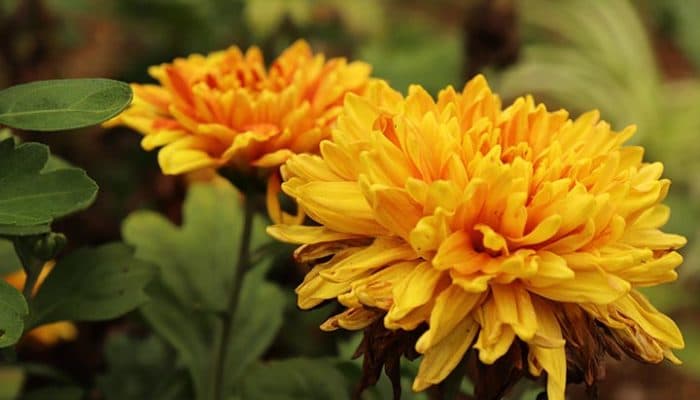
<point>636,61</point>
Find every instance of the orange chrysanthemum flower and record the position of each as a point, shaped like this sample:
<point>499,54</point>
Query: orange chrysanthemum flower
<point>49,334</point>
<point>488,227</point>
<point>227,108</point>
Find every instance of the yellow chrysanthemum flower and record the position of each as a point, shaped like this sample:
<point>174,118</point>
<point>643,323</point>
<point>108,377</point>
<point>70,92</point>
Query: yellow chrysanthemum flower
<point>487,226</point>
<point>227,108</point>
<point>49,334</point>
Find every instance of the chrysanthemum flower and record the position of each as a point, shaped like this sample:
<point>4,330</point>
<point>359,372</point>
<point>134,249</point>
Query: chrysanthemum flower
<point>49,334</point>
<point>227,108</point>
<point>488,227</point>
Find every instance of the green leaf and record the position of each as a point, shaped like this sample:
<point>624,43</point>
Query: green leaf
<point>569,62</point>
<point>141,369</point>
<point>92,284</point>
<point>257,320</point>
<point>295,379</point>
<point>197,265</point>
<point>30,199</point>
<point>416,53</point>
<point>8,259</point>
<point>62,104</point>
<point>13,309</point>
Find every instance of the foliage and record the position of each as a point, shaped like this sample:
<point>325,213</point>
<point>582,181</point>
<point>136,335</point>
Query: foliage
<point>30,198</point>
<point>407,54</point>
<point>570,62</point>
<point>62,104</point>
<point>13,309</point>
<point>140,368</point>
<point>576,54</point>
<point>89,284</point>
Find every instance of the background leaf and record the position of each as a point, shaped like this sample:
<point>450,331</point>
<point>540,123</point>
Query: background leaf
<point>295,379</point>
<point>13,309</point>
<point>406,55</point>
<point>92,284</point>
<point>62,104</point>
<point>141,369</point>
<point>8,259</point>
<point>197,263</point>
<point>30,199</point>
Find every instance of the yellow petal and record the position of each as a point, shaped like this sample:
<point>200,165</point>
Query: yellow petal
<point>383,251</point>
<point>653,239</point>
<point>274,209</point>
<point>376,289</point>
<point>587,286</point>
<point>414,290</point>
<point>659,326</point>
<point>315,290</point>
<point>551,358</point>
<point>393,208</point>
<point>443,357</point>
<point>491,239</point>
<point>309,168</point>
<point>513,305</point>
<point>542,232</point>
<point>495,337</point>
<point>653,272</point>
<point>351,319</point>
<point>452,305</point>
<point>300,234</point>
<point>340,206</point>
<point>551,268</point>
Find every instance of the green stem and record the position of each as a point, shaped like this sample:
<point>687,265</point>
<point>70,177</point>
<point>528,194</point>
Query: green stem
<point>235,294</point>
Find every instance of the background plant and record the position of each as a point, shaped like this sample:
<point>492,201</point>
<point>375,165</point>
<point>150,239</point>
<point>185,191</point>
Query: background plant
<point>639,66</point>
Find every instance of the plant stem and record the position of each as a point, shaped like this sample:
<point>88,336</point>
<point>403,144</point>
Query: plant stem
<point>229,316</point>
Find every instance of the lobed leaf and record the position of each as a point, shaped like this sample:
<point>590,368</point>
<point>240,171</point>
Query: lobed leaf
<point>31,199</point>
<point>13,309</point>
<point>62,104</point>
<point>197,265</point>
<point>92,284</point>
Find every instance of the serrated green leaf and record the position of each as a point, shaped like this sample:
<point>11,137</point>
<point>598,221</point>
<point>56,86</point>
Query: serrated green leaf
<point>197,265</point>
<point>62,104</point>
<point>92,284</point>
<point>13,309</point>
<point>30,199</point>
<point>295,379</point>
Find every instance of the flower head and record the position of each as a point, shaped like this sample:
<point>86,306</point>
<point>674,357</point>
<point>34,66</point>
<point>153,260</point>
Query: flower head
<point>487,226</point>
<point>227,108</point>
